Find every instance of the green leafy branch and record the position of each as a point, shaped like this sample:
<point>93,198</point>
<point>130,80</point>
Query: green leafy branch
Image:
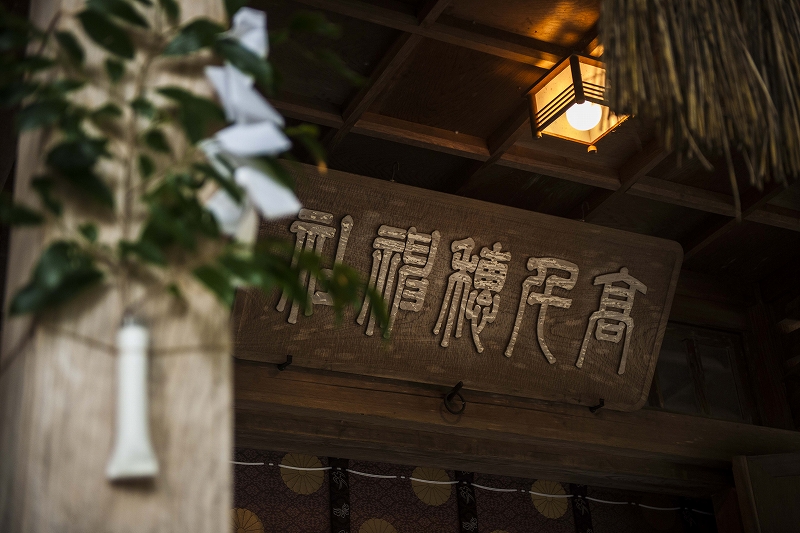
<point>129,142</point>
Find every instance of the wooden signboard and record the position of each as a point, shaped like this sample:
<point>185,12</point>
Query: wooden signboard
<point>505,300</point>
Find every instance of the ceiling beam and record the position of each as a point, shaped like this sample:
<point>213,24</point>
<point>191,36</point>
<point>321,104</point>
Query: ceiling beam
<point>384,74</point>
<point>526,159</point>
<point>503,138</point>
<point>752,200</point>
<point>630,172</point>
<point>476,37</point>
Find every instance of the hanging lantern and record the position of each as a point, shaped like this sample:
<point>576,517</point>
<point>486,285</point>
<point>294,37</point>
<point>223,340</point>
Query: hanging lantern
<point>569,102</point>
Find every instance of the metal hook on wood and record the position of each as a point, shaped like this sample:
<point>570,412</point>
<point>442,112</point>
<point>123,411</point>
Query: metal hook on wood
<point>597,407</point>
<point>448,399</point>
<point>282,366</point>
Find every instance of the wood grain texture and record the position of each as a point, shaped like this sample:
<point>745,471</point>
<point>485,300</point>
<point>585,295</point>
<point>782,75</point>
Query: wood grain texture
<point>57,388</point>
<point>478,37</point>
<point>768,487</point>
<point>381,420</point>
<point>415,353</point>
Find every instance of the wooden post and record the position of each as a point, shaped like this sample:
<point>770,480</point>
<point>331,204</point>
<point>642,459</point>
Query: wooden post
<point>57,390</point>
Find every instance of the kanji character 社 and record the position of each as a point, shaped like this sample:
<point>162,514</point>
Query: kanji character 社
<point>312,229</point>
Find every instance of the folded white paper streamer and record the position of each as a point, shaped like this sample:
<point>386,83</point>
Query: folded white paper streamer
<point>133,455</point>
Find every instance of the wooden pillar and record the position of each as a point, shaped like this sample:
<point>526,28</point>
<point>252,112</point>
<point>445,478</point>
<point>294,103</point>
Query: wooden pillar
<point>57,391</point>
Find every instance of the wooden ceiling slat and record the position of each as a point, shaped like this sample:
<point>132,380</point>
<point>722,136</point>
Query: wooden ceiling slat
<point>385,72</point>
<point>483,39</point>
<point>388,67</point>
<point>632,171</point>
<point>752,200</point>
<point>476,149</point>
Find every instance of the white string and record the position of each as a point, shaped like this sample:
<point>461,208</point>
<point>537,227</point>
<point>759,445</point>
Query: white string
<point>356,472</point>
<point>607,501</point>
<point>550,495</point>
<point>484,487</point>
<point>304,469</point>
<point>493,489</point>
<point>659,508</point>
<point>434,482</point>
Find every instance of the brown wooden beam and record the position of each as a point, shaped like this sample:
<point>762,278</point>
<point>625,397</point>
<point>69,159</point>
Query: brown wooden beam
<point>385,420</point>
<point>460,33</point>
<point>384,73</point>
<point>530,160</point>
<point>380,80</point>
<point>752,201</point>
<point>629,173</point>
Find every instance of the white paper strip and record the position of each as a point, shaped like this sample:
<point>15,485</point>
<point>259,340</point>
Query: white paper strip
<point>248,140</point>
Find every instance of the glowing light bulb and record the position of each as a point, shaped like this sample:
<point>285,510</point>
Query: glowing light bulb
<point>585,116</point>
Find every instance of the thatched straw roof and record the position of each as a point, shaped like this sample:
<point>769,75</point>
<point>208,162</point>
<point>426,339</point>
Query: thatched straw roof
<point>720,76</point>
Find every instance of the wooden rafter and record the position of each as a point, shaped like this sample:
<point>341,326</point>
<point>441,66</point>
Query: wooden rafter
<point>630,172</point>
<point>503,138</point>
<point>529,160</point>
<point>384,73</point>
<point>752,201</point>
<point>476,37</point>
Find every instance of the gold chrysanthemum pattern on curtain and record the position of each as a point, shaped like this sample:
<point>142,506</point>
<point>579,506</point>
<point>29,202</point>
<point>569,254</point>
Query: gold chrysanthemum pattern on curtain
<point>431,493</point>
<point>246,521</point>
<point>302,481</point>
<point>548,506</point>
<point>376,525</point>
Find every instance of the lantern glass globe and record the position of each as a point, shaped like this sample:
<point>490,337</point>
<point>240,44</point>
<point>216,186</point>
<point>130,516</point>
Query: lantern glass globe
<point>585,116</point>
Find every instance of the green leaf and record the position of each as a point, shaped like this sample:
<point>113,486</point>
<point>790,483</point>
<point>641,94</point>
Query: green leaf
<point>307,134</point>
<point>228,184</point>
<point>218,281</point>
<point>76,156</point>
<point>105,113</point>
<point>246,61</point>
<point>33,64</point>
<point>92,186</point>
<point>71,46</point>
<point>196,114</point>
<point>40,114</point>
<point>194,36</point>
<point>314,22</point>
<point>175,291</point>
<point>232,6</point>
<point>146,251</point>
<point>115,69</point>
<point>156,140</point>
<point>146,166</point>
<point>14,92</point>
<point>64,270</point>
<point>147,3</point>
<point>171,8</point>
<point>89,231</point>
<point>12,214</point>
<point>142,106</point>
<point>44,189</point>
<point>107,34</point>
<point>120,9</point>
<point>332,60</point>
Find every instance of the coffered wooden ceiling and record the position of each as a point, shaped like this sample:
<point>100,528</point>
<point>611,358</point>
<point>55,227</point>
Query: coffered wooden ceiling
<point>443,109</point>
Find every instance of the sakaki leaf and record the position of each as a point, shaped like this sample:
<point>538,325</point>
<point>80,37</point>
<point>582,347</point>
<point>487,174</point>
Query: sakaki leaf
<point>194,36</point>
<point>106,33</point>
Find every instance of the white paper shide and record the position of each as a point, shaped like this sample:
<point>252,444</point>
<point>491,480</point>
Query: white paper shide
<point>133,456</point>
<point>255,131</point>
